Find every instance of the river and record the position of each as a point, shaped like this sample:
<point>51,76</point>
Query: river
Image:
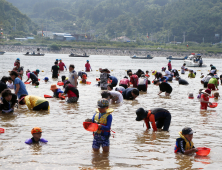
<point>132,147</point>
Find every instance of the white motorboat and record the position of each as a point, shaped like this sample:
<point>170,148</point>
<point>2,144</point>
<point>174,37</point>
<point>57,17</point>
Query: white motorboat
<point>194,61</point>
<point>2,52</point>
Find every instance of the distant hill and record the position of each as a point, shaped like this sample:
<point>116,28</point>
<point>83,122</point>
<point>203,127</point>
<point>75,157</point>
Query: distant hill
<point>163,20</point>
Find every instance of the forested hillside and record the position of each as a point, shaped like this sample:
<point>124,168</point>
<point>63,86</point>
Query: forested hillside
<point>12,20</point>
<point>163,20</point>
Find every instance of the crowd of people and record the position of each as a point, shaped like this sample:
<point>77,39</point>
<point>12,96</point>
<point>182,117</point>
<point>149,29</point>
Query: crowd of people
<point>113,91</point>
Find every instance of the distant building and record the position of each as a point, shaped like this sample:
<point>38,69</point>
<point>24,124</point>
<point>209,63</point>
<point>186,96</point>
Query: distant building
<point>82,37</point>
<point>63,37</point>
<point>45,34</point>
<point>21,39</point>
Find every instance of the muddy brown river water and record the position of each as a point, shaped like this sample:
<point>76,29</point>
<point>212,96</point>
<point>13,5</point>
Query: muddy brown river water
<point>133,147</point>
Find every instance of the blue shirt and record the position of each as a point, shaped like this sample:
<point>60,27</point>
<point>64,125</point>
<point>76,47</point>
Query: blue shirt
<point>164,79</point>
<point>22,89</point>
<point>114,80</point>
<point>56,93</point>
<point>108,124</point>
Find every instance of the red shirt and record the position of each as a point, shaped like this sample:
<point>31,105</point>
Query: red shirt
<point>124,81</point>
<point>204,105</point>
<point>169,66</point>
<point>87,66</point>
<point>61,66</point>
<point>134,80</point>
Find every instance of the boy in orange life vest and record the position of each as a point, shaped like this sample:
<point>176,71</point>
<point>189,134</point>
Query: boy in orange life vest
<point>158,117</point>
<point>102,117</point>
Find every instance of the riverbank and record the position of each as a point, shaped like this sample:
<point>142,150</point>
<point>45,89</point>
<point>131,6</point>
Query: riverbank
<point>103,51</point>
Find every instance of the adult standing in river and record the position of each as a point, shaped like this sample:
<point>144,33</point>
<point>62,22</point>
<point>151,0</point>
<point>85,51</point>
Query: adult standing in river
<point>88,66</point>
<point>19,86</point>
<point>169,65</point>
<point>73,76</point>
<point>19,69</point>
<point>61,65</point>
<point>55,70</point>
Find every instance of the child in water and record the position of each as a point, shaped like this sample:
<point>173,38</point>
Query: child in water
<point>37,134</point>
<point>10,83</point>
<point>103,118</point>
<point>36,84</point>
<point>204,99</point>
<point>56,91</point>
<point>184,144</point>
<point>46,79</point>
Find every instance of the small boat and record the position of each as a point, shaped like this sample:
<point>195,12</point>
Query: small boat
<point>194,61</point>
<point>77,55</point>
<point>172,58</point>
<point>34,54</point>
<point>2,52</point>
<point>147,57</point>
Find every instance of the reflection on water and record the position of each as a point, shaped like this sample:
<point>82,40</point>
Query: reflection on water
<point>132,147</point>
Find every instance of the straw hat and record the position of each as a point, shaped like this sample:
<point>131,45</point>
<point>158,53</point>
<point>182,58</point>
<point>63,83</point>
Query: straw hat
<point>53,87</point>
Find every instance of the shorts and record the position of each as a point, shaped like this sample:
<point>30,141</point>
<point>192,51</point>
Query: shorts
<point>124,85</point>
<point>142,87</point>
<point>72,100</point>
<point>42,106</point>
<point>211,86</point>
<point>55,76</point>
<point>100,141</point>
<point>164,122</point>
<point>169,91</point>
<point>170,78</point>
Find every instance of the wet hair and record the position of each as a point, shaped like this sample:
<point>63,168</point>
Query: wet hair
<point>63,78</point>
<point>105,94</point>
<point>72,66</point>
<point>110,86</point>
<point>155,81</point>
<point>4,79</point>
<point>9,78</point>
<point>56,62</point>
<point>6,93</point>
<point>14,73</point>
<point>136,92</point>
<point>68,82</point>
<point>221,76</point>
<point>125,77</point>
<point>36,83</point>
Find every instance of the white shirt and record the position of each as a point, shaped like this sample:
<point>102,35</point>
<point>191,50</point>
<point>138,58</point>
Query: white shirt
<point>183,69</point>
<point>120,88</point>
<point>72,77</point>
<point>11,86</point>
<point>118,95</point>
<point>168,73</point>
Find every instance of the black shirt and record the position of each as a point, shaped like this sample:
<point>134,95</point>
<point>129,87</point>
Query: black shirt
<point>181,144</point>
<point>33,77</point>
<point>8,105</point>
<point>3,86</point>
<point>55,70</point>
<point>183,82</point>
<point>165,87</point>
<point>127,94</point>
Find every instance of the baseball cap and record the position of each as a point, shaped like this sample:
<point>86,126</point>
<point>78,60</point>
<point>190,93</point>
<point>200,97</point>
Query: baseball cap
<point>87,60</point>
<point>187,131</point>
<point>46,78</point>
<point>102,103</point>
<point>36,130</point>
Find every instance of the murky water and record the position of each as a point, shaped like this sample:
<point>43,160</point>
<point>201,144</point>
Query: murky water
<point>132,147</point>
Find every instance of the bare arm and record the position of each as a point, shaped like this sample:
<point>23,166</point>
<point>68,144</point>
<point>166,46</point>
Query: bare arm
<point>190,151</point>
<point>203,101</point>
<point>17,89</point>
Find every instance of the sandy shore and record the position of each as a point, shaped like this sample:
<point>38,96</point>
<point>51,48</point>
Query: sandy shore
<point>112,52</point>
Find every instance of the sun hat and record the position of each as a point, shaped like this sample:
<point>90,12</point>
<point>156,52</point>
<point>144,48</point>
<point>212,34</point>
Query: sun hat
<point>187,131</point>
<point>102,103</point>
<point>154,72</point>
<point>207,91</point>
<point>53,87</point>
<point>36,130</point>
<point>141,114</point>
<point>46,78</point>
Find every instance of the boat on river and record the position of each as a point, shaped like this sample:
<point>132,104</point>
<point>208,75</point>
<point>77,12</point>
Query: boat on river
<point>2,52</point>
<point>34,54</point>
<point>147,57</point>
<point>77,55</point>
<point>174,58</point>
<point>194,61</point>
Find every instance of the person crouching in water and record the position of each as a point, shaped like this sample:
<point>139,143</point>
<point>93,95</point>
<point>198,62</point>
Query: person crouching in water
<point>7,101</point>
<point>103,118</point>
<point>158,117</point>
<point>56,91</point>
<point>31,76</point>
<point>164,87</point>
<point>204,99</point>
<point>184,144</point>
<point>36,136</point>
<point>34,102</point>
<point>142,83</point>
<point>72,92</point>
